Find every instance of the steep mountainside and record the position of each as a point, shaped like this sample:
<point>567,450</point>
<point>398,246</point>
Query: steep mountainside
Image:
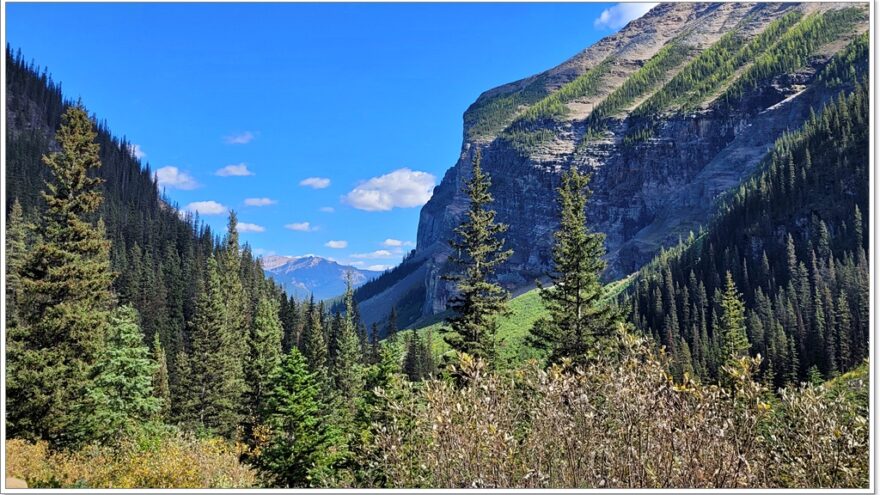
<point>305,276</point>
<point>667,114</point>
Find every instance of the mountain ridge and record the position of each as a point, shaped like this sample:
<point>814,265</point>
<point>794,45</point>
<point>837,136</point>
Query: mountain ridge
<point>657,172</point>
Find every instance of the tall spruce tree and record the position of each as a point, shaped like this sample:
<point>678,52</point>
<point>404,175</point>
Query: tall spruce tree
<point>303,443</point>
<point>314,343</point>
<point>120,393</point>
<point>733,322</point>
<point>214,362</point>
<point>161,387</point>
<point>265,355</point>
<point>577,318</point>
<point>65,294</point>
<point>348,367</point>
<point>478,251</point>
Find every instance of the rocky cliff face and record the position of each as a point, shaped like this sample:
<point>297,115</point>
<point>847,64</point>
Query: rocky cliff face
<point>657,167</point>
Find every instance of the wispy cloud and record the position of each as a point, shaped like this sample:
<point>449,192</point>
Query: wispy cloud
<point>249,227</point>
<point>397,243</point>
<point>136,151</point>
<point>378,268</point>
<point>259,202</point>
<point>315,182</point>
<point>175,178</point>
<point>234,170</point>
<point>263,252</point>
<point>336,244</point>
<point>206,208</point>
<point>380,254</point>
<point>301,227</point>
<point>402,188</point>
<point>241,138</point>
<point>619,15</point>
<point>328,209</point>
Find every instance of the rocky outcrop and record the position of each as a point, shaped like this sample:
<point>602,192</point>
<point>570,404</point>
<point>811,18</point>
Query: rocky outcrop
<point>646,193</point>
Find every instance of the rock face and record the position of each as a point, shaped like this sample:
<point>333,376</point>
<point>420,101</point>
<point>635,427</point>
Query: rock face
<point>647,191</point>
<point>302,277</point>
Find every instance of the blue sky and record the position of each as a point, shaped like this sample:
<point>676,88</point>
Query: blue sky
<point>324,126</point>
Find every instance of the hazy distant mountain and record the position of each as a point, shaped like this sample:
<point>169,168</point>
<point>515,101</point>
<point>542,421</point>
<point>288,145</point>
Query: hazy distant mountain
<point>307,275</point>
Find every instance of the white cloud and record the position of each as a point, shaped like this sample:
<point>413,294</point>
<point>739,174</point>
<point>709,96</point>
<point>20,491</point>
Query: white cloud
<point>619,15</point>
<point>315,182</point>
<point>259,201</point>
<point>380,254</point>
<point>136,151</point>
<point>301,227</point>
<point>378,268</point>
<point>206,208</point>
<point>402,188</point>
<point>336,244</point>
<point>397,243</point>
<point>234,170</point>
<point>249,227</point>
<point>175,178</point>
<point>241,138</point>
<point>263,252</point>
<point>356,263</point>
<point>327,209</point>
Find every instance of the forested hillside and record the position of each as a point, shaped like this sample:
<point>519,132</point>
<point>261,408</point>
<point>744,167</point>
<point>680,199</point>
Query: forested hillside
<point>793,237</point>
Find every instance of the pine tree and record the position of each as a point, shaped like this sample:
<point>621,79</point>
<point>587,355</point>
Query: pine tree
<point>391,329</point>
<point>65,294</point>
<point>236,320</point>
<point>412,359</point>
<point>161,387</point>
<point>16,254</point>
<point>733,327</point>
<point>264,356</point>
<point>577,318</point>
<point>302,442</point>
<point>478,250</point>
<point>120,393</point>
<point>314,344</point>
<point>348,370</point>
<point>214,361</point>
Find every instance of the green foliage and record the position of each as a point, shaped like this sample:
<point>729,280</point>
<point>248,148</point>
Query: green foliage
<point>214,397</point>
<point>709,70</point>
<point>489,115</point>
<point>554,105</point>
<point>794,247</point>
<point>347,366</point>
<point>793,49</point>
<point>478,252</point>
<point>846,65</point>
<point>578,319</point>
<point>314,343</point>
<point>735,343</point>
<point>65,295</point>
<point>302,445</point>
<point>264,355</point>
<point>120,393</point>
<point>161,387</point>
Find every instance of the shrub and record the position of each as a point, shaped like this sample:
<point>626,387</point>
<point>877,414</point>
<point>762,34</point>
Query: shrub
<point>176,461</point>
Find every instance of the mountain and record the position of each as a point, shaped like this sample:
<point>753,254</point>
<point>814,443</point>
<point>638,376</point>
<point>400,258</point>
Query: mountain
<point>668,114</point>
<point>303,276</point>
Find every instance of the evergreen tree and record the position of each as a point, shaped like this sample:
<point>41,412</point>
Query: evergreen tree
<point>348,370</point>
<point>733,326</point>
<point>577,318</point>
<point>478,250</point>
<point>65,294</point>
<point>314,344</point>
<point>16,252</point>
<point>391,329</point>
<point>265,355</point>
<point>302,442</point>
<point>161,387</point>
<point>214,361</point>
<point>120,393</point>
